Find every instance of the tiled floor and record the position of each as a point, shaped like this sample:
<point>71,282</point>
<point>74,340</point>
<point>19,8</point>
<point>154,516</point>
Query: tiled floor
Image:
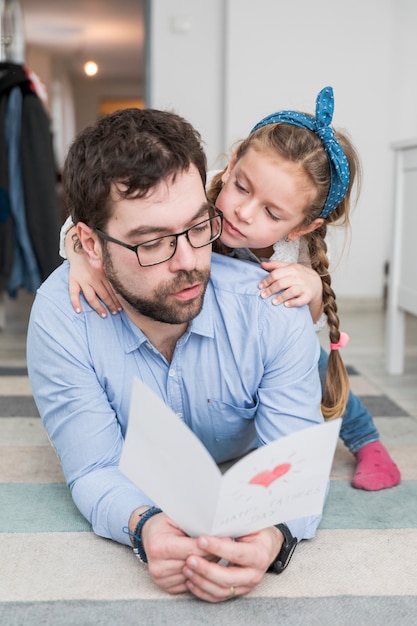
<point>348,582</point>
<point>15,315</point>
<point>365,323</point>
<point>363,320</point>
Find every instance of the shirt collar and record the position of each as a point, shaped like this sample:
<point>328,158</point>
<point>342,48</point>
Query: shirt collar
<point>203,324</point>
<point>244,254</point>
<point>133,338</point>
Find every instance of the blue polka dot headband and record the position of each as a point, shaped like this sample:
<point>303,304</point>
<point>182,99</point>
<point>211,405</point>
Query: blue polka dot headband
<point>339,166</point>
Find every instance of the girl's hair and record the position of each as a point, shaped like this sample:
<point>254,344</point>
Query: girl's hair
<point>303,146</point>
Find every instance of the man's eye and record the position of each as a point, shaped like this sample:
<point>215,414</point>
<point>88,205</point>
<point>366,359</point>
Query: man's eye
<point>200,228</point>
<point>152,245</point>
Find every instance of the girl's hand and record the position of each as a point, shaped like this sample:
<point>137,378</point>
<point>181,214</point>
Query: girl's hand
<point>297,285</point>
<point>91,282</point>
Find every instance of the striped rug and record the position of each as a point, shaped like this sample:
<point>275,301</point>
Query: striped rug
<point>361,569</point>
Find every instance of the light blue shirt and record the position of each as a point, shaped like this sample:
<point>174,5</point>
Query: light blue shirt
<point>244,374</point>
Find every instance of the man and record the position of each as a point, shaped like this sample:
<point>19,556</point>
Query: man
<point>239,371</point>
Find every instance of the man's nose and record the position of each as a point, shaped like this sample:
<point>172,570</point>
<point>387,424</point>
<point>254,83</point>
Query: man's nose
<point>185,257</point>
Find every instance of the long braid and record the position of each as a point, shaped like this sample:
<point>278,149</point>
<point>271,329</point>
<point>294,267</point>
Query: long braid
<point>336,385</point>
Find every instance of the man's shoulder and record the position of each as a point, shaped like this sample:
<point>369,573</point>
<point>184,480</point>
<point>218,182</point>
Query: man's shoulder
<point>57,281</point>
<point>237,275</point>
<point>235,285</point>
<point>53,294</point>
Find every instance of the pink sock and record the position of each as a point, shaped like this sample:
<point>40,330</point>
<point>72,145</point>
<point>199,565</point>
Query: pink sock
<point>375,468</point>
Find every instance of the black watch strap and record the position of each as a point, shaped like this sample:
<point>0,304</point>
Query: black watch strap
<point>286,552</point>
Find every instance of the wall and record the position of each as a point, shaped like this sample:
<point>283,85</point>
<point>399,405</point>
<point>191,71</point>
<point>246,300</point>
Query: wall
<point>41,63</point>
<point>186,64</point>
<point>223,64</point>
<point>300,48</point>
<point>74,102</point>
<point>278,54</point>
<point>403,85</point>
<point>89,92</point>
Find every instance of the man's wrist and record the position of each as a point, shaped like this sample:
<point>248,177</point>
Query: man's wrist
<point>134,518</point>
<point>136,537</point>
<point>287,549</point>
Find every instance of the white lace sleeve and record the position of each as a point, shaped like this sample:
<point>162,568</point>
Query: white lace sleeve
<point>286,251</point>
<point>321,323</point>
<point>64,229</point>
<point>296,252</point>
<point>210,175</point>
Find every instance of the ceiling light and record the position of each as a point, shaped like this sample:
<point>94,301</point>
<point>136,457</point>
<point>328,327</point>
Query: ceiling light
<point>90,68</point>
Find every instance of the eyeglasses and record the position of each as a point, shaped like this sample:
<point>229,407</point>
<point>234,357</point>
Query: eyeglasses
<point>163,248</point>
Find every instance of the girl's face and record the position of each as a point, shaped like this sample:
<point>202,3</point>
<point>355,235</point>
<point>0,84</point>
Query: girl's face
<point>263,200</point>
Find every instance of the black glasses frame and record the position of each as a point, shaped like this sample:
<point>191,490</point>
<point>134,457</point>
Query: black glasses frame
<point>185,232</point>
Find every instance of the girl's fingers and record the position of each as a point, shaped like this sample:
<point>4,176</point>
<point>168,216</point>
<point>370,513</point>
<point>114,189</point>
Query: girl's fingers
<point>96,299</point>
<point>74,292</point>
<point>109,299</point>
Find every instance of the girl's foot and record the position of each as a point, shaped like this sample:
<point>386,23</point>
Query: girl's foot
<point>375,468</point>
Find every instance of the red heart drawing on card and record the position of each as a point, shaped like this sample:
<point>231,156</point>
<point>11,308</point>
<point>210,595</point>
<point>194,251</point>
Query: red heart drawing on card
<point>267,477</point>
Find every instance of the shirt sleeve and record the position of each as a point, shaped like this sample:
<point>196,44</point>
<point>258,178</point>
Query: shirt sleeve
<point>305,527</point>
<point>297,252</point>
<point>79,418</point>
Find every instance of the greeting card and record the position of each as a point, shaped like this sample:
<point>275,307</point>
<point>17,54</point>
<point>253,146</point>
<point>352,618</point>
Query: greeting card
<point>281,481</point>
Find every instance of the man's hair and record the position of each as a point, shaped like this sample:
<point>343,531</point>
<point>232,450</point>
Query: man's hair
<point>131,150</point>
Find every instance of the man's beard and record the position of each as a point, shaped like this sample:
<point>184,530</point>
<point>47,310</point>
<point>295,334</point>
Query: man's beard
<point>158,306</point>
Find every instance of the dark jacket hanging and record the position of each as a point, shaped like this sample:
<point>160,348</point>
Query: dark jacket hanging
<point>38,173</point>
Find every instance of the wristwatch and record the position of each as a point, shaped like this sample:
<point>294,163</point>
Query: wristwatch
<point>286,551</point>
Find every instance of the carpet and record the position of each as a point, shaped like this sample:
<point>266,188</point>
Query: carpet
<point>360,569</point>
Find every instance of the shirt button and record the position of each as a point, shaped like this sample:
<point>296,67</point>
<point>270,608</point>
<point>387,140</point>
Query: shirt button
<point>178,415</point>
<point>172,373</point>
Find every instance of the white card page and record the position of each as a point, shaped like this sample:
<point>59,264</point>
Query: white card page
<point>284,480</point>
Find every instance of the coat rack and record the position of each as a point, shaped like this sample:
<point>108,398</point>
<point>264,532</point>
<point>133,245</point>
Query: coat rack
<point>12,32</point>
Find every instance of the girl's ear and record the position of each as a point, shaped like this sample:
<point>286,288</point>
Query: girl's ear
<point>229,168</point>
<point>299,231</point>
<point>90,243</point>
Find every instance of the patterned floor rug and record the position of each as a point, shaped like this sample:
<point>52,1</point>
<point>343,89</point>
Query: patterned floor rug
<point>360,569</point>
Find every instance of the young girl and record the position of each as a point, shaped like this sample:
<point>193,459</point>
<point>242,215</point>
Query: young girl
<point>290,178</point>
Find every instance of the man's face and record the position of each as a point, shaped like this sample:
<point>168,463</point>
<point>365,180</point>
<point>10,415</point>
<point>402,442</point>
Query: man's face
<point>173,291</point>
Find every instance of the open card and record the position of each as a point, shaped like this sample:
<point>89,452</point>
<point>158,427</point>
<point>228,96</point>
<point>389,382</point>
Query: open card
<point>284,480</point>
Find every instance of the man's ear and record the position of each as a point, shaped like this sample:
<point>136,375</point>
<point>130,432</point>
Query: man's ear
<point>299,231</point>
<point>90,243</point>
<point>229,168</point>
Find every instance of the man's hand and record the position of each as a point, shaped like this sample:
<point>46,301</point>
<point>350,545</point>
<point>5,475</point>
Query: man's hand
<point>248,559</point>
<point>167,549</point>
